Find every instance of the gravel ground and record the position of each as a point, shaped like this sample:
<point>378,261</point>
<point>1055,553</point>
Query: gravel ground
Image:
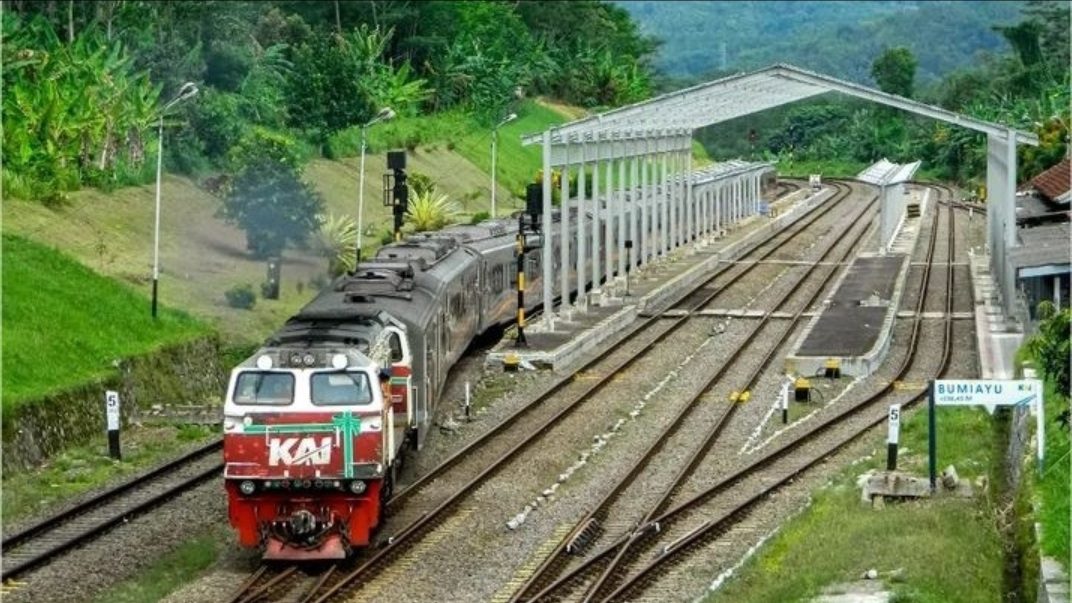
<point>585,452</point>
<point>125,551</point>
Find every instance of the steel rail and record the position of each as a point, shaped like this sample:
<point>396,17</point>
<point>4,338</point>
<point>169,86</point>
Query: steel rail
<point>598,514</point>
<point>402,539</point>
<point>701,452</point>
<point>26,538</point>
<point>709,527</point>
<point>554,388</point>
<point>760,462</point>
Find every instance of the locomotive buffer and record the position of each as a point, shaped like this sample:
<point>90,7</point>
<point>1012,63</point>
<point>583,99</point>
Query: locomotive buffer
<point>528,223</point>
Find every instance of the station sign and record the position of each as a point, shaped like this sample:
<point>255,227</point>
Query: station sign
<point>988,393</point>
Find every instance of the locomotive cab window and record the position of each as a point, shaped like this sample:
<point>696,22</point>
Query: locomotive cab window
<point>262,387</point>
<point>340,389</point>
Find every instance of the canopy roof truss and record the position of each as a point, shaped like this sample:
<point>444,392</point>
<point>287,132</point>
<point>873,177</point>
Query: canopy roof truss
<point>742,94</point>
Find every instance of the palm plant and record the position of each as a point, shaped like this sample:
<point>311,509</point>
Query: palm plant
<point>430,210</point>
<point>337,240</point>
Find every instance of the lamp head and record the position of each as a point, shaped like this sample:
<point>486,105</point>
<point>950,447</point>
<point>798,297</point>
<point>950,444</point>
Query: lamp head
<point>507,119</point>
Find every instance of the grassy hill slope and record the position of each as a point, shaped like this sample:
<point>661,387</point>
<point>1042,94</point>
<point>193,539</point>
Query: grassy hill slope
<point>64,324</point>
<point>202,257</point>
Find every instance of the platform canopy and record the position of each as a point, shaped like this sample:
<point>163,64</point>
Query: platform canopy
<point>743,94</point>
<point>884,172</point>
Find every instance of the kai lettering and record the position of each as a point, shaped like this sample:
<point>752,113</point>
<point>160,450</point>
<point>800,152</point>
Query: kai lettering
<point>299,451</point>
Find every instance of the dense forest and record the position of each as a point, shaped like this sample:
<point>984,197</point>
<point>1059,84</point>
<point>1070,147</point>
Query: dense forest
<point>839,38</point>
<point>1026,85</point>
<point>87,83</point>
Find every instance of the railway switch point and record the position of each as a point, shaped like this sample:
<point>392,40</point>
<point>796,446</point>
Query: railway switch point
<point>511,362</point>
<point>832,370</point>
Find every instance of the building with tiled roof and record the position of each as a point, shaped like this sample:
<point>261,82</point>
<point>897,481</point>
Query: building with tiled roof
<point>1053,185</point>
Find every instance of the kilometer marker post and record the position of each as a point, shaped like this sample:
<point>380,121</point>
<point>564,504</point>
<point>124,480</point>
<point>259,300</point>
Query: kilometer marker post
<point>892,436</point>
<point>111,411</point>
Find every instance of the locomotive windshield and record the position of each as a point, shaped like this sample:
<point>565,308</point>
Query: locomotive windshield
<point>338,389</point>
<point>263,387</point>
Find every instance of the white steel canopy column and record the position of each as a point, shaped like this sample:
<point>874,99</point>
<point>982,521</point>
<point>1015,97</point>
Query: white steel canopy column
<point>608,238</point>
<point>547,261</point>
<point>582,235</point>
<point>564,242</point>
<point>620,215</point>
<point>597,257</point>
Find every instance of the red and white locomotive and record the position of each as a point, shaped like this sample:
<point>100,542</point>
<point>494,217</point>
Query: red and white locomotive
<point>316,420</point>
<point>311,439</point>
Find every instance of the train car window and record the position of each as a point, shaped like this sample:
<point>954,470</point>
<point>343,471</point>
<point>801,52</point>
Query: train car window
<point>340,389</point>
<point>264,387</point>
<point>395,343</point>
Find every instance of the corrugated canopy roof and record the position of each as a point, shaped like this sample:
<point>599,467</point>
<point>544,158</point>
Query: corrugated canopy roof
<point>884,172</point>
<point>738,95</point>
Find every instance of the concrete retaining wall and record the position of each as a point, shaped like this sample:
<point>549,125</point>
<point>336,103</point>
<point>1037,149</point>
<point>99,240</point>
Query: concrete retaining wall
<point>181,374</point>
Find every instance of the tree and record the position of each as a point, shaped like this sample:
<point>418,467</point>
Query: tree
<point>1051,347</point>
<point>268,199</point>
<point>325,92</point>
<point>895,71</point>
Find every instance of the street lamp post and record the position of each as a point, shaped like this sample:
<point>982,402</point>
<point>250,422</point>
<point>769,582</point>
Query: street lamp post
<point>495,154</point>
<point>385,114</point>
<point>188,90</point>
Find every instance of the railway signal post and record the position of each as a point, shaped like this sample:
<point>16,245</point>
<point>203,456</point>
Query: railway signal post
<point>528,222</point>
<point>395,189</point>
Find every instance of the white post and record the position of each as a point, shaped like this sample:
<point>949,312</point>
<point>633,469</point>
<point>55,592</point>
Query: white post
<point>546,235</point>
<point>645,197</point>
<point>494,156</point>
<point>582,243</point>
<point>564,234</point>
<point>621,212</point>
<point>597,257</point>
<point>692,220</point>
<point>608,234</point>
<point>156,222</point>
<point>665,182</point>
<point>634,215</point>
<point>361,194</point>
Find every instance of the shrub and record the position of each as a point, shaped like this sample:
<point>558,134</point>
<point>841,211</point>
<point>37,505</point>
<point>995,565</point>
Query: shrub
<point>479,217</point>
<point>241,296</point>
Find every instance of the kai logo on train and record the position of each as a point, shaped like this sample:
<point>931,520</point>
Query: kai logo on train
<point>299,451</point>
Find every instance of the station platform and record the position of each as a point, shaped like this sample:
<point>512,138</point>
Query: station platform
<point>604,313</point>
<point>855,323</point>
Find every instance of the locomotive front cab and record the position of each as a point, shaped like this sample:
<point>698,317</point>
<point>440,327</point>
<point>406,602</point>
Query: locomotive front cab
<point>308,443</point>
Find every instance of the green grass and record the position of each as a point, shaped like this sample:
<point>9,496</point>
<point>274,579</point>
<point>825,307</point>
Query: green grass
<point>65,325</point>
<point>949,549</point>
<point>170,571</point>
<point>82,468</point>
<point>1052,486</point>
<point>828,168</point>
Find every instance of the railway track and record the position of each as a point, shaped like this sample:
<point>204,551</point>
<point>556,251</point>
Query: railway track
<point>617,571</point>
<point>516,433</point>
<point>635,484</point>
<point>43,541</point>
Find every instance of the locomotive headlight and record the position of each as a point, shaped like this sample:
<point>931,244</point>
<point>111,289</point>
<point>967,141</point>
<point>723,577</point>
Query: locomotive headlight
<point>357,486</point>
<point>339,361</point>
<point>295,359</point>
<point>309,360</point>
<point>247,487</point>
